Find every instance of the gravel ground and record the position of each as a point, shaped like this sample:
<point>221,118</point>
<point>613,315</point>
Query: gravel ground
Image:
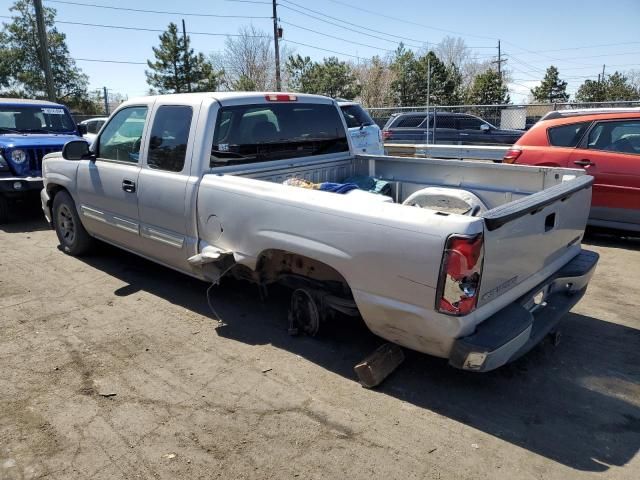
<point>112,367</point>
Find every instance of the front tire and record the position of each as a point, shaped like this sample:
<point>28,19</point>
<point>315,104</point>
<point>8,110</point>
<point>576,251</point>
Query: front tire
<point>74,239</point>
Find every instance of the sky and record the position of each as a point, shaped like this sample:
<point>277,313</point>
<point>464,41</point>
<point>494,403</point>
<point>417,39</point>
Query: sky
<point>578,37</point>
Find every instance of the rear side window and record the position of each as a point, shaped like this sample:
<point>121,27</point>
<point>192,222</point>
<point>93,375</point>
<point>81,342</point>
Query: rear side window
<point>276,131</point>
<point>412,121</point>
<point>444,121</point>
<point>469,123</point>
<point>621,136</point>
<point>169,137</point>
<point>356,116</point>
<point>567,135</point>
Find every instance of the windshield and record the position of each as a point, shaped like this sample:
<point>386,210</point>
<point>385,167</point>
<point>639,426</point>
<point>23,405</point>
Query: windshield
<point>255,133</point>
<point>356,116</point>
<point>35,119</point>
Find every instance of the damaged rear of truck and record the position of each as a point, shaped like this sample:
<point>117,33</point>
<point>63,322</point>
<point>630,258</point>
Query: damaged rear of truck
<point>479,285</point>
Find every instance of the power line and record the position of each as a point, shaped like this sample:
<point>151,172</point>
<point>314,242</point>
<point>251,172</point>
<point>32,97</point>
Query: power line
<point>336,37</point>
<point>352,24</point>
<point>142,29</point>
<point>139,10</point>
<point>319,48</point>
<point>360,9</point>
<point>108,61</point>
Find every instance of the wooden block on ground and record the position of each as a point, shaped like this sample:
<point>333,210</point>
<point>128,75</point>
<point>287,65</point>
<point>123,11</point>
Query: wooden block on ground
<point>379,365</point>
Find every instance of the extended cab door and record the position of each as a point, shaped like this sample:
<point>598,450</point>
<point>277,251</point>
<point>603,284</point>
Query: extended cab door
<point>107,187</point>
<point>164,178</point>
<point>611,154</point>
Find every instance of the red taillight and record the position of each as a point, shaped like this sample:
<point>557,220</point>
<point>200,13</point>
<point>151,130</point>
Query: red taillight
<point>280,97</point>
<point>511,155</point>
<point>460,275</point>
<point>386,134</point>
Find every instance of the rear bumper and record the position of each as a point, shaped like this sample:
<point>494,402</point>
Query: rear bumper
<point>516,329</point>
<point>18,186</point>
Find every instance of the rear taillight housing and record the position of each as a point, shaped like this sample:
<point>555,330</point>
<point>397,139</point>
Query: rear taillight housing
<point>460,275</point>
<point>512,155</point>
<point>386,134</point>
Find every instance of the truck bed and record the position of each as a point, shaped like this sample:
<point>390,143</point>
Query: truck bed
<point>391,254</point>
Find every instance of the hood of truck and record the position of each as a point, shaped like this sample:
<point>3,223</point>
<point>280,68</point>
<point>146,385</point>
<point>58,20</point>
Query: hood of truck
<point>35,145</point>
<point>17,140</point>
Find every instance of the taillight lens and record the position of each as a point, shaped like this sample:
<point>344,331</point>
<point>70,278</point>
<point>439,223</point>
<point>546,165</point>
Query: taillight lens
<point>386,134</point>
<point>512,155</point>
<point>460,275</point>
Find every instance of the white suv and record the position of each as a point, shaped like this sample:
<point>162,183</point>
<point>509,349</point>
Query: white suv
<point>365,134</point>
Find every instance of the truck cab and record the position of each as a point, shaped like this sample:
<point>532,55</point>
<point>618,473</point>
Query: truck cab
<point>29,129</point>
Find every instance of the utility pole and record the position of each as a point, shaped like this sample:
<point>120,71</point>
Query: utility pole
<point>44,51</point>
<point>106,100</point>
<point>603,73</point>
<point>276,34</point>
<point>428,92</point>
<point>499,61</point>
<point>187,74</point>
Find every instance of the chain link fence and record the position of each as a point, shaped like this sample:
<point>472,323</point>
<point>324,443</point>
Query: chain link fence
<point>520,117</point>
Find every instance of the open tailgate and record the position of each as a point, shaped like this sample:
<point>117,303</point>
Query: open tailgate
<point>527,240</point>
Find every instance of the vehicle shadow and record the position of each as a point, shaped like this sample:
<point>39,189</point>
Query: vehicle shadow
<point>612,238</point>
<point>566,403</point>
<point>24,217</point>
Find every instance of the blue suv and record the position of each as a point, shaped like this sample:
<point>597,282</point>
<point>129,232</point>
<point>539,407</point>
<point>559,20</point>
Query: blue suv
<point>29,129</point>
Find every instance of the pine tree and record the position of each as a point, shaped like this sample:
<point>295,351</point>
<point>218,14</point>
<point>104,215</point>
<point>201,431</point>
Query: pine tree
<point>614,87</point>
<point>488,88</point>
<point>552,89</point>
<point>177,69</point>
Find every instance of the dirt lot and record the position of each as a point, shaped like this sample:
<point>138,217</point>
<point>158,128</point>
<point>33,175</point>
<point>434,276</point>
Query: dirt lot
<point>112,367</point>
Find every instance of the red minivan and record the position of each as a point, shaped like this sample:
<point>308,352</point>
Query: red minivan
<point>603,142</point>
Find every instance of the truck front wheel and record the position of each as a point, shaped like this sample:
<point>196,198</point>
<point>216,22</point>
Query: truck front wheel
<point>73,238</point>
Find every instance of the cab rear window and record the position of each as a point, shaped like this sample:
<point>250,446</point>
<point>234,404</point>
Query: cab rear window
<point>567,135</point>
<point>259,133</point>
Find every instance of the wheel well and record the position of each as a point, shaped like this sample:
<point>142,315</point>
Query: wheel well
<point>53,190</point>
<point>297,271</point>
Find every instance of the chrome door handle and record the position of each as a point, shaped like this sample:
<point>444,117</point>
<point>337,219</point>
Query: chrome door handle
<point>129,186</point>
<point>584,163</point>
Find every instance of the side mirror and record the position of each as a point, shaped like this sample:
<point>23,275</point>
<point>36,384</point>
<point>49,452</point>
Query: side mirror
<point>82,129</point>
<point>485,128</point>
<point>76,150</point>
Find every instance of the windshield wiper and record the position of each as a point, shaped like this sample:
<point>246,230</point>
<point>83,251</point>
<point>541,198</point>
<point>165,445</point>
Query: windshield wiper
<point>35,130</point>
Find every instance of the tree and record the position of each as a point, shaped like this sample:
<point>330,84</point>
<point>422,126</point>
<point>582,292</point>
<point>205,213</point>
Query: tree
<point>374,77</point>
<point>21,65</point>
<point>613,88</point>
<point>177,68</point>
<point>332,77</point>
<point>249,61</point>
<point>552,89</point>
<point>404,87</point>
<point>488,88</point>
<point>619,87</point>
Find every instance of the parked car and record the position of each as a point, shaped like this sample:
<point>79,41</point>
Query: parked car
<point>450,128</point>
<point>365,134</point>
<point>605,143</point>
<point>479,275</point>
<point>29,129</point>
<point>89,128</point>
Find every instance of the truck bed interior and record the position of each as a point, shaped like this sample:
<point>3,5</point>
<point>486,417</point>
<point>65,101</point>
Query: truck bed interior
<point>493,184</point>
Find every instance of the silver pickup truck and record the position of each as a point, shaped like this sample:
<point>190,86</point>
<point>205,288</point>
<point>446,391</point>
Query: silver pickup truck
<point>474,262</point>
